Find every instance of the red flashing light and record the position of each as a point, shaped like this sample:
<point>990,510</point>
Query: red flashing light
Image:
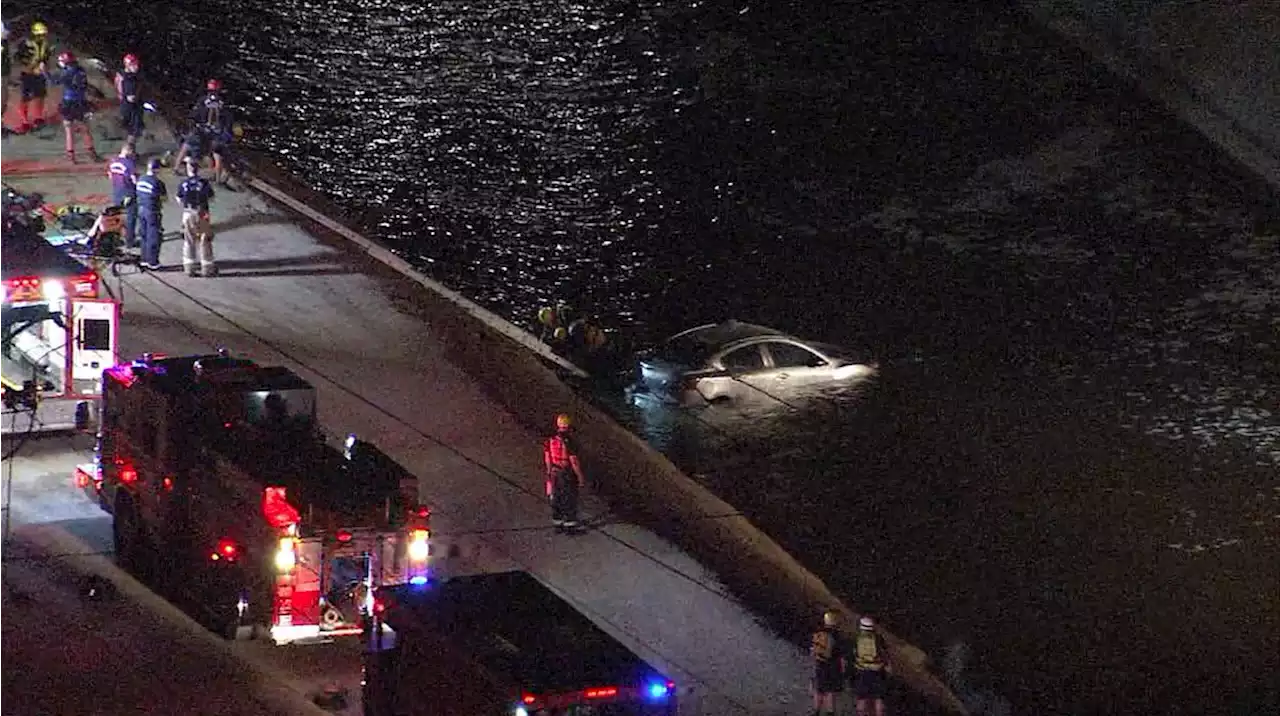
<point>128,475</point>
<point>529,698</point>
<point>276,508</point>
<point>379,606</point>
<point>22,289</point>
<point>226,549</point>
<point>424,511</point>
<point>344,536</point>
<point>601,692</point>
<point>168,483</point>
<point>85,286</point>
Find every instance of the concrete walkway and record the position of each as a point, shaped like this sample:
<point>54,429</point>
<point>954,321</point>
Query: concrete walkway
<point>286,296</point>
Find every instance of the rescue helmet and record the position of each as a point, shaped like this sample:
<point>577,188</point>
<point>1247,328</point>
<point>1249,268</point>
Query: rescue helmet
<point>130,59</point>
<point>830,618</point>
<point>66,58</point>
<point>213,85</point>
<point>866,624</point>
<point>563,421</point>
<point>39,29</point>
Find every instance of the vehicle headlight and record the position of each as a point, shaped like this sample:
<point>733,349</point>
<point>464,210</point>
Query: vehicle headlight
<point>53,290</point>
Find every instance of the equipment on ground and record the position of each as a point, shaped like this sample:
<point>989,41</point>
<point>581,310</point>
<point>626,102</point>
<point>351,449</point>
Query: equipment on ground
<point>59,327</point>
<point>500,644</point>
<point>227,498</point>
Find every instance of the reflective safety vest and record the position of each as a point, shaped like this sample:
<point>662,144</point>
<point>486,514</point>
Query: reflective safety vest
<point>867,650</point>
<point>31,53</point>
<point>557,451</point>
<point>824,645</point>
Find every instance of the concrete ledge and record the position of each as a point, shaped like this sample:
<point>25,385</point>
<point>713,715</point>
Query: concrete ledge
<point>512,367</point>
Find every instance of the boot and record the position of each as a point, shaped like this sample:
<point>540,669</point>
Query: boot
<point>71,156</point>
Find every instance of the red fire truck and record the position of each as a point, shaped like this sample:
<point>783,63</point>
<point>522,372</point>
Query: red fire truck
<point>228,499</point>
<point>59,334</point>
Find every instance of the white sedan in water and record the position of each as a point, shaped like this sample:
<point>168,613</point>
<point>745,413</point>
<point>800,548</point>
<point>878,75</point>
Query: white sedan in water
<point>733,359</point>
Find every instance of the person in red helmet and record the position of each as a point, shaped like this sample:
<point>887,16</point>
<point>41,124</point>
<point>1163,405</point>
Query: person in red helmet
<point>131,113</point>
<point>564,475</point>
<point>75,107</point>
<point>211,122</point>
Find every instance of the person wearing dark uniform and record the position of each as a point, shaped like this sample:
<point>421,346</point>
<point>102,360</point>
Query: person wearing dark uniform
<point>828,652</point>
<point>564,475</point>
<point>75,105</point>
<point>33,60</point>
<point>123,172</point>
<point>131,113</point>
<point>211,131</point>
<point>870,669</point>
<point>151,193</point>
<point>194,194</point>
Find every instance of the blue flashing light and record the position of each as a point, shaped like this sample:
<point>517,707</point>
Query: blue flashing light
<point>658,690</point>
<point>418,581</point>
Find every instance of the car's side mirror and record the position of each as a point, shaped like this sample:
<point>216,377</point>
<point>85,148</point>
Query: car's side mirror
<point>82,416</point>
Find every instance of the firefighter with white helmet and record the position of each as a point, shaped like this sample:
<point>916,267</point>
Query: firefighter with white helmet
<point>828,652</point>
<point>870,669</point>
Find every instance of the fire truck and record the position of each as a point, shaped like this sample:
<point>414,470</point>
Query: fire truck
<point>501,644</point>
<point>227,498</point>
<point>59,333</point>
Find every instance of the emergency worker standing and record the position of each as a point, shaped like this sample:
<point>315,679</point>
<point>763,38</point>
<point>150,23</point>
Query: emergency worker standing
<point>75,105</point>
<point>211,130</point>
<point>194,194</point>
<point>151,194</point>
<point>564,475</point>
<point>131,114</point>
<point>828,652</point>
<point>123,171</point>
<point>870,669</point>
<point>6,59</point>
<point>33,60</point>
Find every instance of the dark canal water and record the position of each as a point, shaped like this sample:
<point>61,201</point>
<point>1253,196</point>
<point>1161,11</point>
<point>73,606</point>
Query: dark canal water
<point>1069,463</point>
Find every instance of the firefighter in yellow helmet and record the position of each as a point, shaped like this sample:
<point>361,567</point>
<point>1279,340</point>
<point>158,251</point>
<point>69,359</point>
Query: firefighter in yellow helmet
<point>34,53</point>
<point>564,475</point>
<point>870,669</point>
<point>828,652</point>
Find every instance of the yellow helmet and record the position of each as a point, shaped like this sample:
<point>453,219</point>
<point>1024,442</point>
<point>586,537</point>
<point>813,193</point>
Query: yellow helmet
<point>39,28</point>
<point>563,422</point>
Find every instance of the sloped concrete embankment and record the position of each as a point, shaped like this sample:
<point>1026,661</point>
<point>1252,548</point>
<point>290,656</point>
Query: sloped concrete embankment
<point>628,472</point>
<point>1214,63</point>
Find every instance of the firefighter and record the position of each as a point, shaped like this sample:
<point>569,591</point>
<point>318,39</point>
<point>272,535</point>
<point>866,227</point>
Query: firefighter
<point>193,195</point>
<point>4,98</point>
<point>151,194</point>
<point>870,669</point>
<point>75,107</point>
<point>131,114</point>
<point>564,475</point>
<point>828,654</point>
<point>554,322</point>
<point>211,130</point>
<point>33,61</point>
<point>123,171</point>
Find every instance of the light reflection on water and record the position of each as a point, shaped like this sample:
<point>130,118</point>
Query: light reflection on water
<point>1074,298</point>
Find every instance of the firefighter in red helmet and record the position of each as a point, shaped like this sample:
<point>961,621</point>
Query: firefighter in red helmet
<point>564,475</point>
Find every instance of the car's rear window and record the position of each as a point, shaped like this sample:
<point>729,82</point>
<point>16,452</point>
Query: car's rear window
<point>687,351</point>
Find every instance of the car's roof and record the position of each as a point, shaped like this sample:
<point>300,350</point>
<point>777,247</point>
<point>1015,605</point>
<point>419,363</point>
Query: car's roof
<point>715,335</point>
